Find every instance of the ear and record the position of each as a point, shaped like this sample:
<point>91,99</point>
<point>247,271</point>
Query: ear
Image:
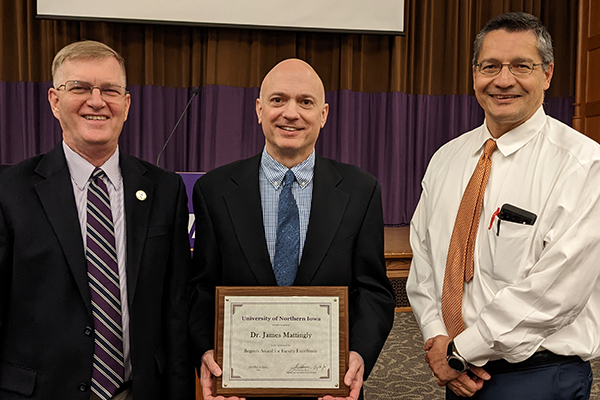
<point>53,99</point>
<point>259,111</point>
<point>127,105</point>
<point>324,114</point>
<point>548,76</point>
<point>474,70</point>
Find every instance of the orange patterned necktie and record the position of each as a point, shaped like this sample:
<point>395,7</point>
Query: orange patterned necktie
<point>459,264</point>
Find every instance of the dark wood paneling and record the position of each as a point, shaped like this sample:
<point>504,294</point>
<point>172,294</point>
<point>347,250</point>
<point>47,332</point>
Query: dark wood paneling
<point>398,255</point>
<point>587,90</point>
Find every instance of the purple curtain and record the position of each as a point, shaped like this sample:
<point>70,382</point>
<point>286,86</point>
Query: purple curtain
<point>391,135</point>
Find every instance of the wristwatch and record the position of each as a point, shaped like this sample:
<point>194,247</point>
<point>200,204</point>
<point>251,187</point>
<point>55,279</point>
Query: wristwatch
<point>455,360</point>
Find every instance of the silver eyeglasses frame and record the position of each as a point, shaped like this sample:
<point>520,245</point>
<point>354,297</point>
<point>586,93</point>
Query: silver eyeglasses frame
<point>512,67</point>
<point>81,87</point>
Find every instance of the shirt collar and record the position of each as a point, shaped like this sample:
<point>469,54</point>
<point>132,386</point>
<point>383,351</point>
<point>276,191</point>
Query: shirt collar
<point>81,170</point>
<point>275,172</point>
<point>516,138</point>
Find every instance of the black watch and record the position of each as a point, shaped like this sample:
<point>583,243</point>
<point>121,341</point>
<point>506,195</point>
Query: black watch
<point>455,360</point>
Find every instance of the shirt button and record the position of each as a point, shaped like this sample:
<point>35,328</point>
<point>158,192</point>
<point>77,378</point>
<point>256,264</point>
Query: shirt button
<point>83,387</point>
<point>88,331</point>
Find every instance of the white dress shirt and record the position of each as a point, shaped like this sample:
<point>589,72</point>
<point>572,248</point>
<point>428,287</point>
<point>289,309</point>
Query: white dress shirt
<point>81,171</point>
<point>534,286</point>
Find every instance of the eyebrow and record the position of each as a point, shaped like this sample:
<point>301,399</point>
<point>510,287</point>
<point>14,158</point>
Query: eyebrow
<point>99,84</point>
<point>518,59</point>
<point>280,94</point>
<point>300,96</point>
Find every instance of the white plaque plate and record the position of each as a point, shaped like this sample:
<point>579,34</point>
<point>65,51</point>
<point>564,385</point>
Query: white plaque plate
<point>281,342</point>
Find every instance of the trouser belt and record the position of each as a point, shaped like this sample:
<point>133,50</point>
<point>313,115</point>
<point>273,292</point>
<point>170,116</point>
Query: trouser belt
<point>537,360</point>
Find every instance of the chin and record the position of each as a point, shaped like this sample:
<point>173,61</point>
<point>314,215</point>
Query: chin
<point>288,144</point>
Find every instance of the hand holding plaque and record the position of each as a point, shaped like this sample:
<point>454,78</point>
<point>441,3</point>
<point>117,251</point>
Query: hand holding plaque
<point>354,376</point>
<point>209,371</point>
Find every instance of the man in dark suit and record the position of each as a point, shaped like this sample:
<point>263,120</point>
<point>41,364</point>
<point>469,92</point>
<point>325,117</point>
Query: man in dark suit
<point>340,224</point>
<point>53,315</point>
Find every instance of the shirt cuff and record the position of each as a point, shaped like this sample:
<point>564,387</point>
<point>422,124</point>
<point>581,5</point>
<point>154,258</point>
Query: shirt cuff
<point>433,329</point>
<point>471,346</point>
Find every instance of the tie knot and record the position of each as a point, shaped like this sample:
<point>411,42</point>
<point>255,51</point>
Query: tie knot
<point>289,177</point>
<point>490,147</point>
<point>97,174</point>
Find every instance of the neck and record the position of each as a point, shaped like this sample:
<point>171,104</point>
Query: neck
<point>497,130</point>
<point>288,160</point>
<point>94,154</point>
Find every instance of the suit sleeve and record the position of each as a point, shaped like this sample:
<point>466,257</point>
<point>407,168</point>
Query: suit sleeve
<point>372,298</point>
<point>206,272</point>
<point>5,266</point>
<point>179,371</point>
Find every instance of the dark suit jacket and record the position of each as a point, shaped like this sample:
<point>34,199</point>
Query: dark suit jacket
<point>344,247</point>
<point>46,325</point>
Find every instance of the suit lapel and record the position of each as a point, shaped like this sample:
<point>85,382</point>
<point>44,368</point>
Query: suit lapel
<point>55,192</point>
<point>326,212</point>
<point>245,209</point>
<point>137,214</point>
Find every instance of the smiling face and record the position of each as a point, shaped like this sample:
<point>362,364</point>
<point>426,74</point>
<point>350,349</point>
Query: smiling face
<point>510,100</point>
<point>292,111</point>
<point>91,124</point>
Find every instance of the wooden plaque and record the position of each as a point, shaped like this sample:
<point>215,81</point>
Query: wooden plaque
<point>276,341</point>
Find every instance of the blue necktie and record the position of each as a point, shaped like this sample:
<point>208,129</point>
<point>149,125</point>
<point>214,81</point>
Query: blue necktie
<point>287,244</point>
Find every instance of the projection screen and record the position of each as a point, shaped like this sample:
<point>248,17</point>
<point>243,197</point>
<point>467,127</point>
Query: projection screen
<point>360,16</point>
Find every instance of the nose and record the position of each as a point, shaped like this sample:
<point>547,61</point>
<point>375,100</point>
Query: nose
<point>95,100</point>
<point>504,78</point>
<point>290,110</point>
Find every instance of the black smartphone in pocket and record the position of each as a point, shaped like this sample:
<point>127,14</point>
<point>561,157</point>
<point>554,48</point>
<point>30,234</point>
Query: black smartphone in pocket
<point>511,213</point>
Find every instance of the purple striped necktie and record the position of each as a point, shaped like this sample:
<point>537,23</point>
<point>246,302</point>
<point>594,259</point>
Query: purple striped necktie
<point>103,277</point>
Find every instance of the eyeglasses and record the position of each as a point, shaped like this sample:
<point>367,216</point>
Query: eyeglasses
<point>86,88</point>
<point>520,68</point>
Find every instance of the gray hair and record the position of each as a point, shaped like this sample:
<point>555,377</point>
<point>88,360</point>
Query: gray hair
<point>518,22</point>
<point>85,50</point>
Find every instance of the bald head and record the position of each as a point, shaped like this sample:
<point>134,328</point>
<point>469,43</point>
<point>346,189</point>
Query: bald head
<point>292,110</point>
<point>297,70</point>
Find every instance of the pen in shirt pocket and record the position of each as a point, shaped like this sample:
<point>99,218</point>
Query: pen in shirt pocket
<point>494,215</point>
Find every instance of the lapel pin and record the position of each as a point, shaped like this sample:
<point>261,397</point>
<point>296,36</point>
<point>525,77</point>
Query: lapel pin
<point>141,195</point>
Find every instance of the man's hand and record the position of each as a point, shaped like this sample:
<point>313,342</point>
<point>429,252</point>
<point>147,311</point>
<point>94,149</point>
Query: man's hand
<point>460,383</point>
<point>437,349</point>
<point>353,378</point>
<point>208,371</point>
<point>466,385</point>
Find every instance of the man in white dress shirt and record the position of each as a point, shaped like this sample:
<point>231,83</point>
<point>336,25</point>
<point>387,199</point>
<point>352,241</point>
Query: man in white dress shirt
<point>531,312</point>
